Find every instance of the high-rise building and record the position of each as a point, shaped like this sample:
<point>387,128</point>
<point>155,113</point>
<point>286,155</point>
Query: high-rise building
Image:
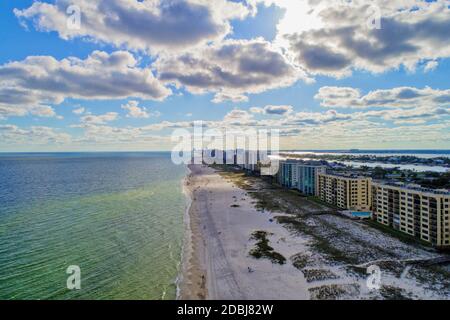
<point>307,175</point>
<point>419,212</point>
<point>229,157</point>
<point>345,191</point>
<point>300,175</point>
<point>287,174</point>
<point>251,160</point>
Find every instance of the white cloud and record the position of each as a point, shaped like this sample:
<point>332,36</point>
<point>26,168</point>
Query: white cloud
<point>151,25</point>
<point>134,111</point>
<point>231,69</point>
<point>415,114</point>
<point>403,97</point>
<point>333,37</point>
<point>431,66</point>
<point>44,111</point>
<point>273,110</point>
<point>100,119</point>
<point>222,97</point>
<point>425,126</point>
<point>79,111</point>
<point>35,135</point>
<point>316,118</point>
<point>238,117</point>
<point>42,80</point>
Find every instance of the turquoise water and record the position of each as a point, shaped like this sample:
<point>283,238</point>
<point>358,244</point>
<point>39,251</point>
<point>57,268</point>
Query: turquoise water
<point>361,214</point>
<point>119,217</point>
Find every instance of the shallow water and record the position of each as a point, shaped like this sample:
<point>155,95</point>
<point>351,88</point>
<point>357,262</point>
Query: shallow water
<point>119,217</point>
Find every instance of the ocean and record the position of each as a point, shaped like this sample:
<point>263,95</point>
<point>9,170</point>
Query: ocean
<point>118,216</point>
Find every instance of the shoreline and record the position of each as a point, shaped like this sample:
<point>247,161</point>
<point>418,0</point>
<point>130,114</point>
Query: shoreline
<point>191,271</point>
<point>186,234</point>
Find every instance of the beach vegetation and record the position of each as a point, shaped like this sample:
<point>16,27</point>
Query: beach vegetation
<point>301,260</point>
<point>394,293</point>
<point>312,275</point>
<point>405,238</point>
<point>334,291</point>
<point>263,249</point>
<point>318,242</point>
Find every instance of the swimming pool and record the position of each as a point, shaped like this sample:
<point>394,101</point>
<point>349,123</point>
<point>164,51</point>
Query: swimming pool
<point>365,215</point>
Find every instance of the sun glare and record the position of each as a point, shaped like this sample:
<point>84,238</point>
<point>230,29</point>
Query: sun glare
<point>300,16</point>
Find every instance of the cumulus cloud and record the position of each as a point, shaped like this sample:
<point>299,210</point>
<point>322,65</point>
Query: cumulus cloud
<point>316,118</point>
<point>340,39</point>
<point>168,125</point>
<point>42,80</point>
<point>79,111</point>
<point>232,69</point>
<point>152,25</point>
<point>19,111</point>
<point>328,128</point>
<point>405,97</point>
<point>414,115</point>
<point>44,111</point>
<point>273,110</point>
<point>100,119</point>
<point>431,66</point>
<point>37,135</point>
<point>222,97</point>
<point>134,111</point>
<point>238,117</point>
<point>322,37</point>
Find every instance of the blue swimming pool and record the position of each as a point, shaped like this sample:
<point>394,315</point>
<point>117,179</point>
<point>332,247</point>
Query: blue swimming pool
<point>361,214</point>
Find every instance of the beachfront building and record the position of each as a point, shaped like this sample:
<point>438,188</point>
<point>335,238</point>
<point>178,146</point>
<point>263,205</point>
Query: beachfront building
<point>248,160</point>
<point>345,191</point>
<point>229,157</point>
<point>307,175</point>
<point>419,212</point>
<point>300,175</point>
<point>251,160</point>
<point>288,174</point>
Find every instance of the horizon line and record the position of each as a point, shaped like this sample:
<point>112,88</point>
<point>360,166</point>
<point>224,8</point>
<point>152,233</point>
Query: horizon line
<point>164,151</point>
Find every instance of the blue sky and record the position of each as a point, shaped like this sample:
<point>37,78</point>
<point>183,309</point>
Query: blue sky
<point>265,69</point>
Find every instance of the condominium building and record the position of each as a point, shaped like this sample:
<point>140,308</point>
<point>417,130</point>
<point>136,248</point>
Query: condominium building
<point>419,212</point>
<point>249,160</point>
<point>345,191</point>
<point>307,175</point>
<point>300,175</point>
<point>229,157</point>
<point>287,174</point>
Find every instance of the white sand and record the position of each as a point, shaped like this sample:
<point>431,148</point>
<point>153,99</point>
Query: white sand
<point>223,245</point>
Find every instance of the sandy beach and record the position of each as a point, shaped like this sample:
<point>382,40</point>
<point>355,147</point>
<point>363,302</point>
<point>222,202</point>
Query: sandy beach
<point>217,265</point>
<point>217,251</point>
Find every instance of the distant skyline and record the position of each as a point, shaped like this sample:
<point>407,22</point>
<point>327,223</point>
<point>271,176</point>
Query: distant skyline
<point>132,71</point>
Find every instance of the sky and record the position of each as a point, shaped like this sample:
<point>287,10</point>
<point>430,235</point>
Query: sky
<point>122,75</point>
